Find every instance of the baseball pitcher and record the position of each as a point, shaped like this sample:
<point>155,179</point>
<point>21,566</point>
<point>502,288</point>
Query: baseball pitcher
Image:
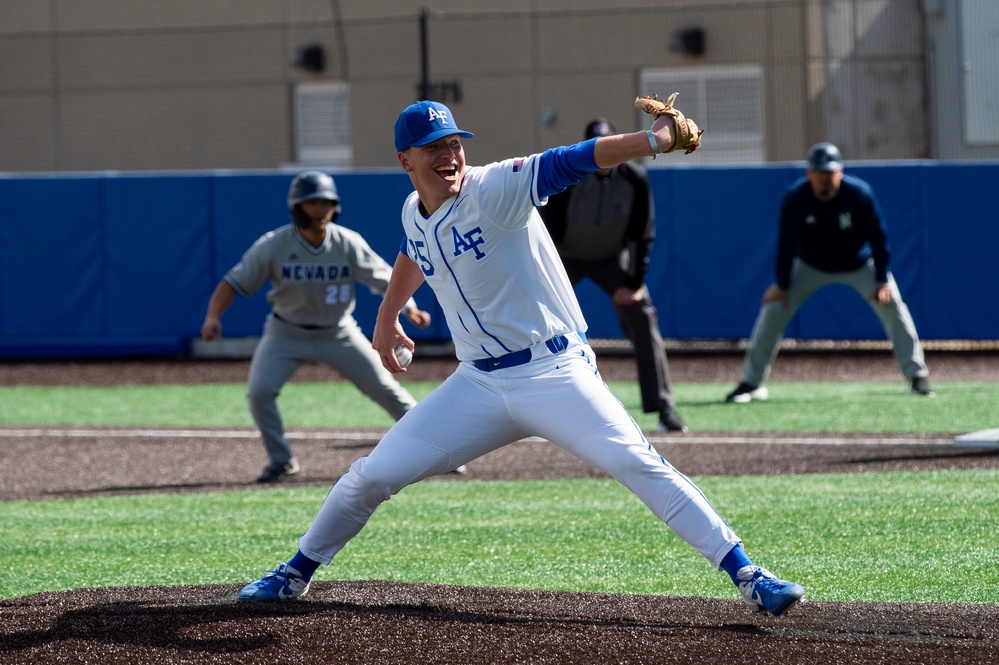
<point>475,236</point>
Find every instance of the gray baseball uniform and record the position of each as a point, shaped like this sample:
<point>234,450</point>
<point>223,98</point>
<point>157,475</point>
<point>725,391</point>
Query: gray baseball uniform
<point>312,297</point>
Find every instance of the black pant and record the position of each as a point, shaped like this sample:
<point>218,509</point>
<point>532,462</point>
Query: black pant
<point>640,323</point>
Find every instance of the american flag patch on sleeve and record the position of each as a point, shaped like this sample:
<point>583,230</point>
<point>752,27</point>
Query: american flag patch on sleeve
<point>518,165</point>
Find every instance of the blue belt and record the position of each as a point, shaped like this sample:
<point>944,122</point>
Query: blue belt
<point>522,357</point>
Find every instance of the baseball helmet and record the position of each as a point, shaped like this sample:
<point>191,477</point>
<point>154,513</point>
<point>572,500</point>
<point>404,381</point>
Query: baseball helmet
<point>308,186</point>
<point>824,157</point>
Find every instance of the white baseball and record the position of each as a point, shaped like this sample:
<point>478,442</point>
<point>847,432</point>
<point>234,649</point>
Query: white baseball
<point>403,355</point>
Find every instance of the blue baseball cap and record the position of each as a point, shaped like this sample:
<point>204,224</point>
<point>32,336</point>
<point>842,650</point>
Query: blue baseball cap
<point>425,122</point>
<point>824,157</point>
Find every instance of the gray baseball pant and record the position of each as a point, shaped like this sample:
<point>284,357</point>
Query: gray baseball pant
<point>283,348</point>
<point>768,331</point>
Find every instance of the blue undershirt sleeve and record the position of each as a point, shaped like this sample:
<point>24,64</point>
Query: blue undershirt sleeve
<point>561,167</point>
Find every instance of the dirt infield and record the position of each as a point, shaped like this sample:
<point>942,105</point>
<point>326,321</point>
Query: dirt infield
<point>381,622</point>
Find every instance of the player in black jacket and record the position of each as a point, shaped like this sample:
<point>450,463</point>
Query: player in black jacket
<point>604,228</point>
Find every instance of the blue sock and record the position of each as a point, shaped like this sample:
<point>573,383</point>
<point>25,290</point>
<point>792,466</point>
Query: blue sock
<point>733,561</point>
<point>303,564</point>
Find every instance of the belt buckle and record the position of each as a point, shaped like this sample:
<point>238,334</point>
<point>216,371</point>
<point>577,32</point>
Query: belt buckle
<point>557,344</point>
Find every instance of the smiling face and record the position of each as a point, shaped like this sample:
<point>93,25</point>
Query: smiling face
<point>436,170</point>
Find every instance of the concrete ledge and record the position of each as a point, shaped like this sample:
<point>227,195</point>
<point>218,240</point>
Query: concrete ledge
<point>242,347</point>
<point>236,347</point>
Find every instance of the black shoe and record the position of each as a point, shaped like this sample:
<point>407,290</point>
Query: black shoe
<point>274,472</point>
<point>921,386</point>
<point>747,392</point>
<point>670,421</point>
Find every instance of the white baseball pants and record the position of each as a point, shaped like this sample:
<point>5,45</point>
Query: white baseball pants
<point>559,397</point>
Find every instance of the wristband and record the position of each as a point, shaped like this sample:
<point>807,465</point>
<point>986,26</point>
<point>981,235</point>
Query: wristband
<point>652,142</point>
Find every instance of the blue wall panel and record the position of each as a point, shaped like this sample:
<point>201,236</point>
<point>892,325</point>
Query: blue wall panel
<point>720,233</point>
<point>158,232</point>
<point>53,260</point>
<point>125,264</point>
<point>244,207</point>
<point>960,240</point>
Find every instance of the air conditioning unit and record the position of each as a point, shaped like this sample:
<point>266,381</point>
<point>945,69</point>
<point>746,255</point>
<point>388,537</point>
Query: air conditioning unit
<point>725,101</point>
<point>323,135</point>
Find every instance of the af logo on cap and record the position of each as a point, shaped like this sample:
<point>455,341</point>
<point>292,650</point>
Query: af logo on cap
<point>438,115</point>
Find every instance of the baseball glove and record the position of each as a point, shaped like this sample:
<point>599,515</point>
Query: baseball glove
<point>687,136</point>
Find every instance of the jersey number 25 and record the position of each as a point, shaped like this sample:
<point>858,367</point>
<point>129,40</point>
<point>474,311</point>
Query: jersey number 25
<point>425,265</point>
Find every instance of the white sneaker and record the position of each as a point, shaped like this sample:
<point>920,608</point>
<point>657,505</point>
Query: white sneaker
<point>273,473</point>
<point>747,392</point>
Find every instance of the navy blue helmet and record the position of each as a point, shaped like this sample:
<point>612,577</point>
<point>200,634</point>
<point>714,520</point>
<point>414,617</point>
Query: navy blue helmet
<point>824,157</point>
<point>308,186</point>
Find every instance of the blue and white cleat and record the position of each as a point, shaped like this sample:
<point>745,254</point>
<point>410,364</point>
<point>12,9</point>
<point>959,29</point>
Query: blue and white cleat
<point>765,593</point>
<point>282,583</point>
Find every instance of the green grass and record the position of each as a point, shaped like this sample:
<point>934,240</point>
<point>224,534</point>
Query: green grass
<point>921,537</point>
<point>832,407</point>
<point>806,407</point>
<point>210,405</point>
<point>898,537</point>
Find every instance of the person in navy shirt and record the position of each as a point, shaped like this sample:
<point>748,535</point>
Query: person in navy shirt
<point>831,232</point>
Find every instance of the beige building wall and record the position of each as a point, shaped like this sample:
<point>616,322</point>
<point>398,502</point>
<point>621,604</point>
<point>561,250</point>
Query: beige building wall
<point>189,84</point>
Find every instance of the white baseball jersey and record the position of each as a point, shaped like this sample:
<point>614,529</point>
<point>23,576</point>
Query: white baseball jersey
<point>488,257</point>
<point>311,286</point>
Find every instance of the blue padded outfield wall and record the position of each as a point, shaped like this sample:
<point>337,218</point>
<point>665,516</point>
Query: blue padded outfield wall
<point>115,264</point>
